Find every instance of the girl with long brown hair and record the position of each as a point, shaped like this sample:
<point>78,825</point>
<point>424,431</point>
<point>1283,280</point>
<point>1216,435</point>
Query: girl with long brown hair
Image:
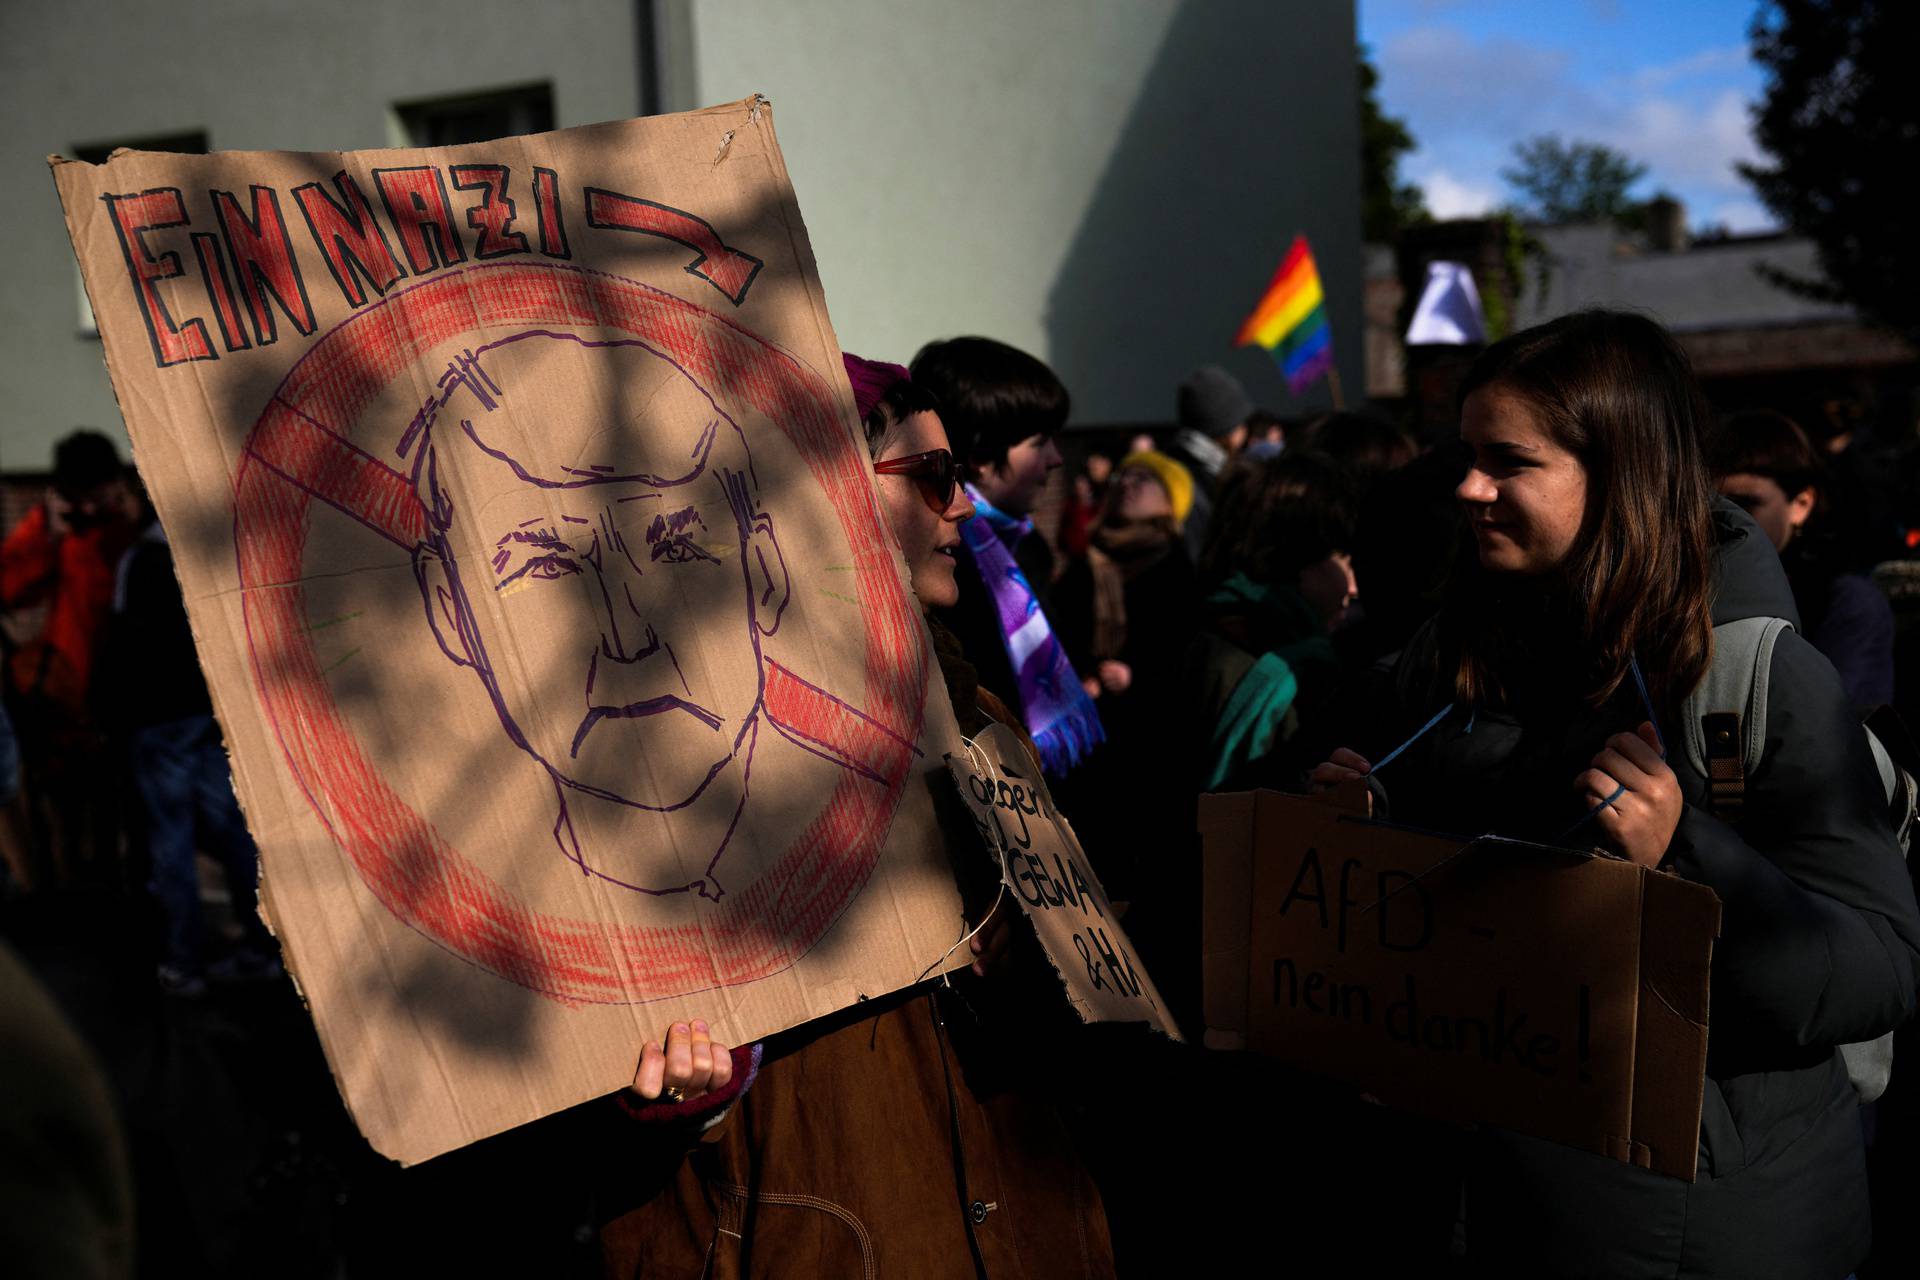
<point>1568,640</point>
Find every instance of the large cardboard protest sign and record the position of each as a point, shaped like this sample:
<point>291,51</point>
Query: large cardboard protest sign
<point>571,677</point>
<point>1551,992</point>
<point>1044,870</point>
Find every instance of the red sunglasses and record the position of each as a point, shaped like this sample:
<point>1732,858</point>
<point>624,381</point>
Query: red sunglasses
<point>935,472</point>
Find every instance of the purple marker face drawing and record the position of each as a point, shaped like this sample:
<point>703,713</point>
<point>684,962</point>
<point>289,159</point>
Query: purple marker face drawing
<point>603,567</point>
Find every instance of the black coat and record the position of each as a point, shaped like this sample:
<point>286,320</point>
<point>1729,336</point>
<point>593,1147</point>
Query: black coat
<point>1819,946</point>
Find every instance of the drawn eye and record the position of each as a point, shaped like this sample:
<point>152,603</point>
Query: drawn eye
<point>679,551</point>
<point>547,567</point>
<point>550,567</point>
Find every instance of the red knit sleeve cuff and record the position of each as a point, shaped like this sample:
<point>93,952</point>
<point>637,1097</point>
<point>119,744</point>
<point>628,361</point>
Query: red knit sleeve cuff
<point>704,1109</point>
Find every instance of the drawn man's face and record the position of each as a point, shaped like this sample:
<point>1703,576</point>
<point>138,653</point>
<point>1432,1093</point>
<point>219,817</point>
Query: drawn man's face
<point>604,568</point>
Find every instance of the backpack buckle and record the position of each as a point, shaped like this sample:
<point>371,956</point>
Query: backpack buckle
<point>1726,767</point>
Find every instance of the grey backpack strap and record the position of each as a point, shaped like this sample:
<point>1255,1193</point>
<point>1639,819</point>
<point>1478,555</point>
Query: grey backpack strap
<point>1726,727</point>
<point>1725,718</point>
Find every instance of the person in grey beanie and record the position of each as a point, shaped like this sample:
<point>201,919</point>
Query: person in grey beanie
<point>1213,410</point>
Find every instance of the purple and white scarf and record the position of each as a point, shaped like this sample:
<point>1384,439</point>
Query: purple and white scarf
<point>1059,714</point>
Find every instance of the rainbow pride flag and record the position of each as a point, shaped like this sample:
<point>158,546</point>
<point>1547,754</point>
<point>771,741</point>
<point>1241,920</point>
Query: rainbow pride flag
<point>1291,320</point>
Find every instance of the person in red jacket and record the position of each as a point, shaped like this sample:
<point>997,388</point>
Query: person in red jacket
<point>56,585</point>
<point>62,555</point>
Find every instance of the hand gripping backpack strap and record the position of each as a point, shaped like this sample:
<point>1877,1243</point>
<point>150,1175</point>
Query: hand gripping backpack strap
<point>1725,718</point>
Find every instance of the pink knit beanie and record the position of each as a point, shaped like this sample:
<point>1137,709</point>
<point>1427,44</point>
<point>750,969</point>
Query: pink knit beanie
<point>871,379</point>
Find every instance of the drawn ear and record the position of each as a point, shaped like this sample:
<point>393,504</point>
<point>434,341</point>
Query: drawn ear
<point>437,596</point>
<point>767,574</point>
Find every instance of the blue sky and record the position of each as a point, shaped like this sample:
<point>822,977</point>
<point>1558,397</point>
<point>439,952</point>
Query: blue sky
<point>1667,83</point>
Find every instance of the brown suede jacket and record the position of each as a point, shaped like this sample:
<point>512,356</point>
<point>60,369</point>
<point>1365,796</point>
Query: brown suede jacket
<point>903,1137</point>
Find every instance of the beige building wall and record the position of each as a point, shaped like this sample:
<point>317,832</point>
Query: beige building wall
<point>253,75</point>
<point>1108,183</point>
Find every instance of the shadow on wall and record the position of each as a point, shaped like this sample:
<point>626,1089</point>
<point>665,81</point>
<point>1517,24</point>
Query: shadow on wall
<point>1245,133</point>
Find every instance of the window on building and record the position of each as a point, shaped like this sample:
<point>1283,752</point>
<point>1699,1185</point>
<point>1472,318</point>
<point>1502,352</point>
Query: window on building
<point>193,144</point>
<point>475,117</point>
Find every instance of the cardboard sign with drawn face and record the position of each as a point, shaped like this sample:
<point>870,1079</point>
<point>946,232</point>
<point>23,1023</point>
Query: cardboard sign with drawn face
<point>569,669</point>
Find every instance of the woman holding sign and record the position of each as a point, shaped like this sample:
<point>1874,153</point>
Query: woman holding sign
<point>1564,649</point>
<point>905,1135</point>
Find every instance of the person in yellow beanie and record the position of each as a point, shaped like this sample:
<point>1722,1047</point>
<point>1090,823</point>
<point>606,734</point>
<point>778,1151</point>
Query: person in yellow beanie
<point>1139,473</point>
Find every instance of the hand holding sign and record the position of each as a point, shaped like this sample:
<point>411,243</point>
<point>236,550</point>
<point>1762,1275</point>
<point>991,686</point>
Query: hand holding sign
<point>1044,869</point>
<point>691,1063</point>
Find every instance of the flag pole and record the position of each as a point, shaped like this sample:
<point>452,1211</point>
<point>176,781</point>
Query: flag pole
<point>1333,385</point>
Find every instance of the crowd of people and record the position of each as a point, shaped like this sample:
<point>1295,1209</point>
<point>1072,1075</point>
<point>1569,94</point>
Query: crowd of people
<point>1240,602</point>
<point>1253,606</point>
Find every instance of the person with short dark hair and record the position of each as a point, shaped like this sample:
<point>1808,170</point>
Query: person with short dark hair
<point>1364,445</point>
<point>1763,462</point>
<point>1002,409</point>
<point>1279,579</point>
<point>59,558</point>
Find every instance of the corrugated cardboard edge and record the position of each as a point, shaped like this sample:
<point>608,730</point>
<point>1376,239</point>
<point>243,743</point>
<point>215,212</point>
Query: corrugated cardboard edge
<point>1227,839</point>
<point>1670,1035</point>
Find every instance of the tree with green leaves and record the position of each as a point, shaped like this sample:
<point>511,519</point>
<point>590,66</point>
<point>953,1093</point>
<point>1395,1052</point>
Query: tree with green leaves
<point>1387,205</point>
<point>1562,182</point>
<point>1840,123</point>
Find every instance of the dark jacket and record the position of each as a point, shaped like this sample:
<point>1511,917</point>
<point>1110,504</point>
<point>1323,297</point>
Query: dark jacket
<point>1819,946</point>
<point>1846,617</point>
<point>148,672</point>
<point>1161,601</point>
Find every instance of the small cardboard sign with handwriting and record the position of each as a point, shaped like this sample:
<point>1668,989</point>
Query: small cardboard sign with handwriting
<point>1547,991</point>
<point>1045,870</point>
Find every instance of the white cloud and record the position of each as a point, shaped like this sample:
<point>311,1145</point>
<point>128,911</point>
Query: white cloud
<point>1449,197</point>
<point>1685,145</point>
<point>1469,100</point>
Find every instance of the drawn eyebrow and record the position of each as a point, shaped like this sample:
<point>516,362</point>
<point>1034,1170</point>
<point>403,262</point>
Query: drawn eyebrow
<point>545,538</point>
<point>668,525</point>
